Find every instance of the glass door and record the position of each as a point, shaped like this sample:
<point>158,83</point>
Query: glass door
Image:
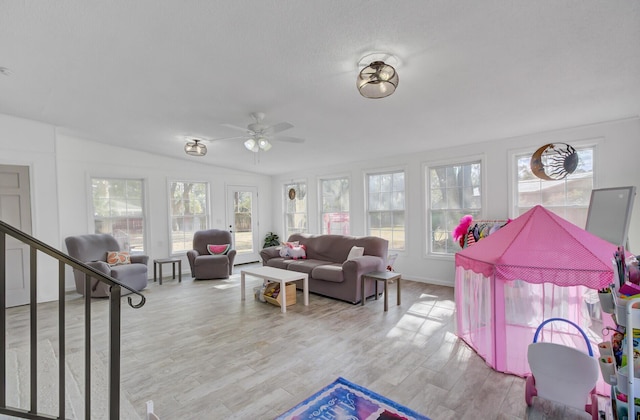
<point>242,222</point>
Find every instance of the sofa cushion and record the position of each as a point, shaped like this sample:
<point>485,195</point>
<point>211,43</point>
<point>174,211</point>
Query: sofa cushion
<point>329,272</point>
<point>279,262</point>
<point>305,266</point>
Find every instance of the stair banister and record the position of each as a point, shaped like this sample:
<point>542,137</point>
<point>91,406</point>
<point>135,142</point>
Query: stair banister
<point>64,260</point>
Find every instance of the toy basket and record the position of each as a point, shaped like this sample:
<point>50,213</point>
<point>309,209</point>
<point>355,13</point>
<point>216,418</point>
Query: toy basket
<point>272,294</point>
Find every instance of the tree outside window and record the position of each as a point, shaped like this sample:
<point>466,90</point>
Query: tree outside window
<point>454,191</point>
<point>334,199</point>
<point>189,213</point>
<point>295,208</point>
<point>386,207</point>
<point>118,209</point>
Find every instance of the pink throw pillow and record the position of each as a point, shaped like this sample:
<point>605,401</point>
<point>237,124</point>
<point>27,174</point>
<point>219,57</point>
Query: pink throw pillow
<point>218,249</point>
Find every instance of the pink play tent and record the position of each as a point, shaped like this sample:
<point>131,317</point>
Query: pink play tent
<point>539,266</point>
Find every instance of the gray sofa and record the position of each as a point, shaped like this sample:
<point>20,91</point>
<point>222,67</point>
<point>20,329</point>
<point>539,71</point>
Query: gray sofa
<point>92,250</point>
<point>330,274</point>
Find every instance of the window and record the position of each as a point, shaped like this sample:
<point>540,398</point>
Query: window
<point>454,191</point>
<point>295,206</point>
<point>118,209</point>
<point>568,197</point>
<point>386,207</point>
<point>334,199</point>
<point>188,213</point>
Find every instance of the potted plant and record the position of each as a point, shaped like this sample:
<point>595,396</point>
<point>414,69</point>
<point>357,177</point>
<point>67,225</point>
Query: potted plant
<point>272,239</point>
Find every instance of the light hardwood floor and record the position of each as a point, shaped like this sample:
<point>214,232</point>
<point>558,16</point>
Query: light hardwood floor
<point>199,352</point>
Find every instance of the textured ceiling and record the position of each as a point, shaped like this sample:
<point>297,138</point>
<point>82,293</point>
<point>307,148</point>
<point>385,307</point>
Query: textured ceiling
<point>144,74</point>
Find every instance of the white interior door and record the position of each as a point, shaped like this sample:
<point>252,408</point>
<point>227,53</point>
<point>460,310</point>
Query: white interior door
<point>15,209</point>
<point>242,222</point>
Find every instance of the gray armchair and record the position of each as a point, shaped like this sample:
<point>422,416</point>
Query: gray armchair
<point>206,266</point>
<point>92,250</point>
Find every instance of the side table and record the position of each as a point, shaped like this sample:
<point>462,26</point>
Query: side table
<point>386,277</point>
<point>173,261</point>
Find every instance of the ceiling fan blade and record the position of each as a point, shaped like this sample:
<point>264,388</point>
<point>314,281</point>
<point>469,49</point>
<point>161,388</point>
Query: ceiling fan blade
<point>235,127</point>
<point>276,128</point>
<point>289,139</point>
<point>230,138</point>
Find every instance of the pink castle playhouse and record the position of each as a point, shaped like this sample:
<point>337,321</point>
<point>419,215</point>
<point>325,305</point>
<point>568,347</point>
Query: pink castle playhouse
<point>537,267</point>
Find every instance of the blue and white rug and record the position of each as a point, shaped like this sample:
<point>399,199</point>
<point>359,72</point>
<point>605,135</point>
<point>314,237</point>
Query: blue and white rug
<point>343,400</point>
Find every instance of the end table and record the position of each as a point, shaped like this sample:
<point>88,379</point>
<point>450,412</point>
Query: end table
<point>386,277</point>
<point>173,261</point>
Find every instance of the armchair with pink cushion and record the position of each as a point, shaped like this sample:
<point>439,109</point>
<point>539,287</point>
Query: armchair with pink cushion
<point>209,259</point>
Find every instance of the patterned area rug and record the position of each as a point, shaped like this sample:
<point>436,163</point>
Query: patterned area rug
<point>343,400</point>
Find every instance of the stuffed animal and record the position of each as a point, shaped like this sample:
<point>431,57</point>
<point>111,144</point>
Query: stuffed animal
<point>286,247</point>
<point>298,252</point>
<point>293,250</point>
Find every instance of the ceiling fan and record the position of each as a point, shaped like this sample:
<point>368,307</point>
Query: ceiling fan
<point>259,135</point>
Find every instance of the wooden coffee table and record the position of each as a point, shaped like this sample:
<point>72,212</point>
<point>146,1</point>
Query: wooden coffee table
<point>280,276</point>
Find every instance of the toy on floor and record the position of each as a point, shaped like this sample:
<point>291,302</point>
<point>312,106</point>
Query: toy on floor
<point>562,374</point>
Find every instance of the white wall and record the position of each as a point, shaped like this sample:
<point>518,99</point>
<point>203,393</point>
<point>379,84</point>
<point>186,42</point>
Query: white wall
<point>29,143</point>
<point>616,165</point>
<point>79,160</point>
<point>61,167</point>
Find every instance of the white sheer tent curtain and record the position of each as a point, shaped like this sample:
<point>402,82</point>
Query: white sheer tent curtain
<point>498,319</point>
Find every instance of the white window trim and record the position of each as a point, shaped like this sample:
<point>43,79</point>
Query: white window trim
<point>145,196</point>
<point>168,203</point>
<point>390,169</point>
<point>426,191</point>
<point>511,174</point>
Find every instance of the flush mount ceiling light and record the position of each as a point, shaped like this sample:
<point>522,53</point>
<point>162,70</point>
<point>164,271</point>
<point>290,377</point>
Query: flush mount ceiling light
<point>195,148</point>
<point>377,79</point>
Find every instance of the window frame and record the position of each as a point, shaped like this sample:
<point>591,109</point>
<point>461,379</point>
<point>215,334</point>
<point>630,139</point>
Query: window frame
<point>321,213</point>
<point>426,167</point>
<point>385,171</point>
<point>207,213</point>
<point>513,155</point>
<point>144,198</point>
<point>285,197</point>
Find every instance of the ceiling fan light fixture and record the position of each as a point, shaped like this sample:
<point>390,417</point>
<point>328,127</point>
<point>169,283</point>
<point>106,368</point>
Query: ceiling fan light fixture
<point>195,148</point>
<point>377,80</point>
<point>251,145</point>
<point>264,144</point>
